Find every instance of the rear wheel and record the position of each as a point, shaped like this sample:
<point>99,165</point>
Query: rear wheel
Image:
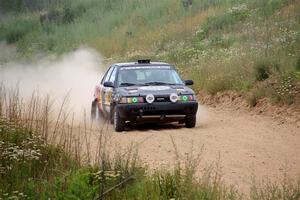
<point>119,123</point>
<point>190,121</point>
<point>94,110</point>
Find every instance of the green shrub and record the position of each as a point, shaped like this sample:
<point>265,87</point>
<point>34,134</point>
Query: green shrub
<point>267,8</point>
<point>298,64</point>
<point>219,41</point>
<point>262,71</point>
<point>254,96</point>
<point>286,90</point>
<point>68,16</point>
<point>12,5</point>
<point>243,85</point>
<point>218,85</point>
<point>220,22</point>
<point>24,156</point>
<point>58,16</point>
<point>78,184</point>
<point>2,33</point>
<point>17,28</point>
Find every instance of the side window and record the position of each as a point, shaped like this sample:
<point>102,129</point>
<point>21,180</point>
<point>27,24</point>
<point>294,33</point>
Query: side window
<point>107,75</point>
<point>113,76</point>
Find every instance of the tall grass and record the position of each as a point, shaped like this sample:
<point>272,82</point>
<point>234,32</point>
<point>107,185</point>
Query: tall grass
<point>44,154</point>
<point>286,188</point>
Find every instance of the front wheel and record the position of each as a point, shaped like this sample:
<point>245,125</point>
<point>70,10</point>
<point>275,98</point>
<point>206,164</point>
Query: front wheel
<point>119,123</point>
<point>190,121</point>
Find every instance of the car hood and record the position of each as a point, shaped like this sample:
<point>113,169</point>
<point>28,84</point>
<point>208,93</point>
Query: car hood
<point>155,90</point>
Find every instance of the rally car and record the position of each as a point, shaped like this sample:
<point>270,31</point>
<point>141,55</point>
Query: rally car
<point>144,91</point>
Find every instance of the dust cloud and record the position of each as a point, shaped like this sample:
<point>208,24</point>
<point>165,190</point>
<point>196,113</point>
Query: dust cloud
<point>72,76</point>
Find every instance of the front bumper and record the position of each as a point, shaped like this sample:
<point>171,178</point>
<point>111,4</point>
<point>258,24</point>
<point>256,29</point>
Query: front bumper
<point>160,109</point>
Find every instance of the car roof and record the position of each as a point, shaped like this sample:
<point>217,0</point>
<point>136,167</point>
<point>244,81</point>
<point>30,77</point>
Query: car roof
<point>131,64</point>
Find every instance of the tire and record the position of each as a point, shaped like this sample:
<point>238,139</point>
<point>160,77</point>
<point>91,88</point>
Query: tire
<point>190,121</point>
<point>119,123</point>
<point>94,110</point>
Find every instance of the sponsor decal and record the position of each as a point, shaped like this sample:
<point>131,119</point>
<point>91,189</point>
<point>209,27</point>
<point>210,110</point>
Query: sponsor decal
<point>155,88</point>
<point>132,91</point>
<point>180,90</point>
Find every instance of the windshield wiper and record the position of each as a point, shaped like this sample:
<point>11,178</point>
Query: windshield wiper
<point>156,83</point>
<point>127,84</point>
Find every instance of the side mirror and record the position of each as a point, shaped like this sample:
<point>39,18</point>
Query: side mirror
<point>189,82</point>
<point>108,84</point>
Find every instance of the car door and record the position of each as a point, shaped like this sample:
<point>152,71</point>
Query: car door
<point>102,96</point>
<point>108,91</point>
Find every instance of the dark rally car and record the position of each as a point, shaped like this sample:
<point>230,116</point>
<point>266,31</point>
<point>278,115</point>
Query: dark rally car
<point>144,91</point>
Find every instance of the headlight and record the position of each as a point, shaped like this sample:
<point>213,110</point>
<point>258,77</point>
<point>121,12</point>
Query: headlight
<point>132,100</point>
<point>174,97</point>
<point>150,98</point>
<point>185,98</point>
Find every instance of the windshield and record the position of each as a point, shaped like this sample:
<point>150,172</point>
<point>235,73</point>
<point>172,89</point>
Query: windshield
<point>154,75</point>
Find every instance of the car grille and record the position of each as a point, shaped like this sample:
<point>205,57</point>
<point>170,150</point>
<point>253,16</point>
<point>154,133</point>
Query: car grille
<point>162,99</point>
<point>148,108</point>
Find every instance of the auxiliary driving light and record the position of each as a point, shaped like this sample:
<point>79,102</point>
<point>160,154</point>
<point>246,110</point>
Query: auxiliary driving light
<point>150,98</point>
<point>132,100</point>
<point>186,98</point>
<point>174,97</point>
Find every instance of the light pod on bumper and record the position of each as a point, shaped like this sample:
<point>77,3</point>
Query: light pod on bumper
<point>173,97</point>
<point>185,98</point>
<point>150,98</point>
<point>132,100</point>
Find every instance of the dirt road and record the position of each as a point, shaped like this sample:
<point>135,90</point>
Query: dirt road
<point>246,144</point>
